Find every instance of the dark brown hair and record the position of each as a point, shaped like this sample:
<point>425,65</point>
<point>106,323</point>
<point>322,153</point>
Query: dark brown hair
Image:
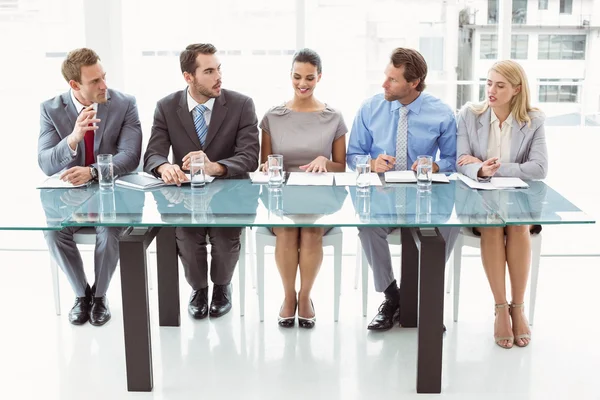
<point>187,58</point>
<point>71,66</point>
<point>308,56</point>
<point>415,66</point>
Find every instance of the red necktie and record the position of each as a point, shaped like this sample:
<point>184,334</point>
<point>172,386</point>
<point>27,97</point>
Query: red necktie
<point>89,147</point>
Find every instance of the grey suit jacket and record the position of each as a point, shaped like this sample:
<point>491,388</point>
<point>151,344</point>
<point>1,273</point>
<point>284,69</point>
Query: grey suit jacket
<point>119,133</point>
<point>528,153</point>
<point>232,138</point>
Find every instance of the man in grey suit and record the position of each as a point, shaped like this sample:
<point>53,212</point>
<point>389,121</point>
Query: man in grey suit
<point>220,125</point>
<point>75,127</point>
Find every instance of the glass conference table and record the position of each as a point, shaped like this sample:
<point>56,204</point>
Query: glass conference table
<point>156,214</point>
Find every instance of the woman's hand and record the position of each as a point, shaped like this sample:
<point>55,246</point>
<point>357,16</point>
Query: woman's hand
<point>466,159</point>
<point>489,168</point>
<point>319,164</point>
<point>263,168</point>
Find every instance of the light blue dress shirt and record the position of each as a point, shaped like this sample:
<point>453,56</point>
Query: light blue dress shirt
<point>431,130</point>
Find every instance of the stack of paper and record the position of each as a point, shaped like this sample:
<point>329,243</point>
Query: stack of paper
<point>261,177</point>
<point>54,182</point>
<point>311,179</point>
<point>494,183</point>
<point>143,181</point>
<point>411,177</point>
<point>349,179</point>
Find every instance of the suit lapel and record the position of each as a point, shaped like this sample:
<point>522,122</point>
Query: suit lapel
<point>483,132</point>
<point>216,118</point>
<point>186,120</point>
<point>516,139</point>
<point>102,116</point>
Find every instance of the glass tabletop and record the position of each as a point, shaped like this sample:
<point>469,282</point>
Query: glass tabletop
<point>538,204</point>
<point>27,208</point>
<point>240,203</point>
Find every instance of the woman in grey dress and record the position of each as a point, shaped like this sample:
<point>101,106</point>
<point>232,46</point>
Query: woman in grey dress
<point>504,136</point>
<point>311,137</point>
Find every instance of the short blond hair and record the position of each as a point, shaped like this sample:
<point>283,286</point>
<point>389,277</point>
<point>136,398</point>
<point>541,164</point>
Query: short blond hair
<point>71,66</point>
<point>520,105</point>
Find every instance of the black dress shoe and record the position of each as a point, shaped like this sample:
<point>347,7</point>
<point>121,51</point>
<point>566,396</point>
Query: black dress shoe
<point>221,300</point>
<point>100,313</point>
<point>80,313</point>
<point>198,307</point>
<point>389,313</point>
<point>308,323</point>
<point>287,322</point>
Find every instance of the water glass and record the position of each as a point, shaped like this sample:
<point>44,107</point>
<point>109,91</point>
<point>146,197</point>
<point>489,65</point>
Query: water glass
<point>107,206</point>
<point>106,177</point>
<point>423,211</point>
<point>363,205</point>
<point>275,168</point>
<point>363,172</point>
<point>198,180</point>
<point>424,172</point>
<point>275,201</point>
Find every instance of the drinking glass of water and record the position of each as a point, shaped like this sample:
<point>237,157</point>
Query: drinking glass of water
<point>424,172</point>
<point>275,165</point>
<point>363,172</point>
<point>197,171</point>
<point>105,168</point>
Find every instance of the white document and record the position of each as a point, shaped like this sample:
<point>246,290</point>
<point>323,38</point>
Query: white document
<point>349,179</point>
<point>494,183</point>
<point>54,182</point>
<point>260,177</point>
<point>310,179</point>
<point>410,177</point>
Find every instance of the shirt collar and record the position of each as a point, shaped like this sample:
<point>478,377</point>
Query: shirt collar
<point>193,103</point>
<point>415,106</point>
<point>494,118</point>
<point>78,105</point>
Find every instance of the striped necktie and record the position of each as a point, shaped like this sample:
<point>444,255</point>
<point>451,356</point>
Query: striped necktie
<point>402,141</point>
<point>200,122</point>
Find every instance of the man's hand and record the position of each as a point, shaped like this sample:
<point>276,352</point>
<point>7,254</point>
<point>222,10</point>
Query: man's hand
<point>319,164</point>
<point>489,168</point>
<point>210,168</point>
<point>382,163</point>
<point>82,125</point>
<point>77,175</point>
<point>434,169</point>
<point>466,159</point>
<point>171,173</point>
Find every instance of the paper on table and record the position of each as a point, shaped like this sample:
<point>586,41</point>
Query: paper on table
<point>54,182</point>
<point>494,183</point>
<point>260,177</point>
<point>349,179</point>
<point>410,177</point>
<point>310,179</point>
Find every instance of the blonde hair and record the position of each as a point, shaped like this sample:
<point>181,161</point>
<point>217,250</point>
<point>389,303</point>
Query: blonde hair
<point>519,104</point>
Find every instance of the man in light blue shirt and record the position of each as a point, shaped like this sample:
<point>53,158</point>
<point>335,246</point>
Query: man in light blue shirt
<point>394,128</point>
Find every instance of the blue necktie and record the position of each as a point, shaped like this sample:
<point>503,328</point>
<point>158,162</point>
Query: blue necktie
<point>200,123</point>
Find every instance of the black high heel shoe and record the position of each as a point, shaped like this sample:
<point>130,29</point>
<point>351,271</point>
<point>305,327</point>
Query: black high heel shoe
<point>308,323</point>
<point>287,322</point>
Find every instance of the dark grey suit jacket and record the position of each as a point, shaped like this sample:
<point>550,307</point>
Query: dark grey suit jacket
<point>119,133</point>
<point>232,138</point>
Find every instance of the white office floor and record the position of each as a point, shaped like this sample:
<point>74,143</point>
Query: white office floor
<point>43,356</point>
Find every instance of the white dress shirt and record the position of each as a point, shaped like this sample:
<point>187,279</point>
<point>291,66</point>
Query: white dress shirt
<point>499,139</point>
<point>209,105</point>
<point>79,107</point>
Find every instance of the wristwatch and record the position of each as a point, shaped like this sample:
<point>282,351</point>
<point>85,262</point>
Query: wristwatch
<point>94,173</point>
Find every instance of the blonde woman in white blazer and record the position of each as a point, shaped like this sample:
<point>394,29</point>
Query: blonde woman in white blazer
<point>504,136</point>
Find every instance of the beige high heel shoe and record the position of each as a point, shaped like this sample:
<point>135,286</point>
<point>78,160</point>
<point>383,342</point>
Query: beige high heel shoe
<point>499,339</point>
<point>523,335</point>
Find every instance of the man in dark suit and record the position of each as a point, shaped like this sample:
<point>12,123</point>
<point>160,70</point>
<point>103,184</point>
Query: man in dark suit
<point>75,127</point>
<point>220,125</point>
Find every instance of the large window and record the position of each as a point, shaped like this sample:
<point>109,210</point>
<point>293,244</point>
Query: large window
<point>518,47</point>
<point>561,47</point>
<point>558,93</point>
<point>542,4</point>
<point>488,46</point>
<point>432,49</point>
<point>566,6</point>
<point>519,11</point>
